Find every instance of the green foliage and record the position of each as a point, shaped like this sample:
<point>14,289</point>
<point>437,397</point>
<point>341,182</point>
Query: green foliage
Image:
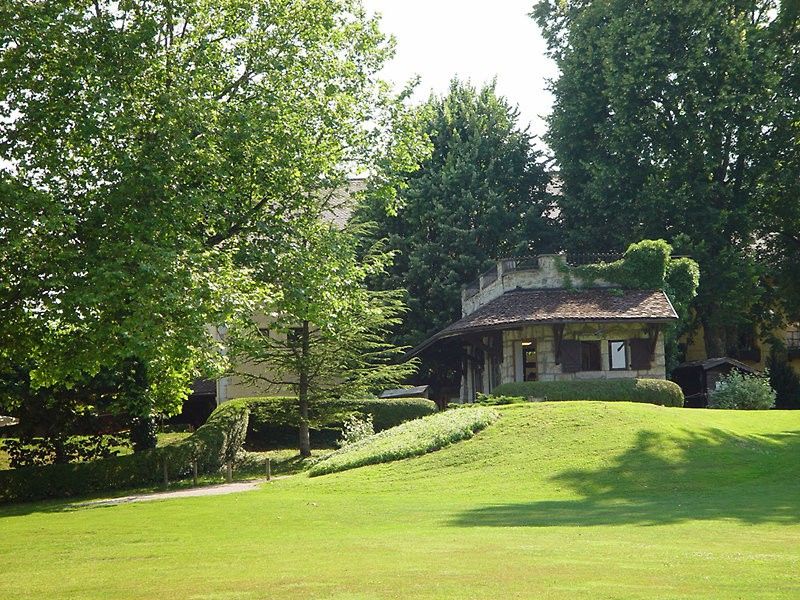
<point>143,433</point>
<point>648,264</point>
<point>785,381</point>
<point>327,331</point>
<point>410,439</point>
<point>44,451</point>
<point>652,391</point>
<point>481,195</point>
<point>743,391</point>
<point>679,120</point>
<point>644,266</point>
<point>493,400</point>
<point>133,184</point>
<point>277,418</point>
<point>355,429</point>
<point>211,446</point>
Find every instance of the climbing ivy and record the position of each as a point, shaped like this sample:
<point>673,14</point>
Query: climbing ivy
<point>649,265</point>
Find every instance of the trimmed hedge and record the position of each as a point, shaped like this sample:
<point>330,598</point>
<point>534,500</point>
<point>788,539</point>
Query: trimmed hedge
<point>211,445</point>
<point>651,391</point>
<point>275,419</point>
<point>409,439</point>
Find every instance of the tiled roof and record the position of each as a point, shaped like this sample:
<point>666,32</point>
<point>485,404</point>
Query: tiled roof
<point>529,307</point>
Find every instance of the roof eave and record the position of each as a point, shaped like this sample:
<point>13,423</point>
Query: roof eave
<point>416,350</point>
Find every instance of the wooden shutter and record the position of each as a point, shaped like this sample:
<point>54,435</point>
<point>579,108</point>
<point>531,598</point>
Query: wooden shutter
<point>570,356</point>
<point>640,354</point>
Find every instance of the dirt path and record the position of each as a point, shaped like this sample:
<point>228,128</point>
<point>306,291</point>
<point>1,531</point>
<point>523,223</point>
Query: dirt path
<point>208,490</point>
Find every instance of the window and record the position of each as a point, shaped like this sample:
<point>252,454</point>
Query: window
<point>590,356</point>
<point>617,355</point>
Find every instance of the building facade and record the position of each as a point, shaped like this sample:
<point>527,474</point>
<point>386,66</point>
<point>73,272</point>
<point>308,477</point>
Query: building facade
<point>529,320</point>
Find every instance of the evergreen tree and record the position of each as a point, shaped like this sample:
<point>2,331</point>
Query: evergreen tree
<point>325,331</point>
<point>480,196</point>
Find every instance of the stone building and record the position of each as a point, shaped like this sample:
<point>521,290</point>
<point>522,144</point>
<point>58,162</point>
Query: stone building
<point>527,320</point>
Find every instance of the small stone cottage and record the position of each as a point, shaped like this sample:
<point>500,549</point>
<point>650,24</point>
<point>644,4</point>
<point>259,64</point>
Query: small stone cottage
<point>528,320</point>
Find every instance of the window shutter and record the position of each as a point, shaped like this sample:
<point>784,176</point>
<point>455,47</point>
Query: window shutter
<point>570,356</point>
<point>640,354</point>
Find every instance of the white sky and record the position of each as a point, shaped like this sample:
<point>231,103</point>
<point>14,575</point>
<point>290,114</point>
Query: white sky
<point>476,40</point>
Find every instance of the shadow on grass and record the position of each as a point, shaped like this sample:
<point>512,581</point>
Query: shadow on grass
<point>715,475</point>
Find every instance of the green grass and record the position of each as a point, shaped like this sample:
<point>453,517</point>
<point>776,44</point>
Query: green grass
<point>554,500</point>
<point>412,438</point>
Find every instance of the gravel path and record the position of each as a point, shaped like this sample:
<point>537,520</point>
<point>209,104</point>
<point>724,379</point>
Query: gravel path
<point>208,490</point>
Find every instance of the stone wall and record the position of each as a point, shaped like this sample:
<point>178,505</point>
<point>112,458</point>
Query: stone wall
<point>548,370</point>
<point>546,275</point>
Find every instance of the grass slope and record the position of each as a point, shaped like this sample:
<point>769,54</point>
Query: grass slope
<point>559,500</point>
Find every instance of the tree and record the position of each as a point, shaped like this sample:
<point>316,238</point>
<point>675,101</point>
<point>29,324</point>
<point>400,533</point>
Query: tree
<point>480,196</point>
<point>324,333</point>
<point>145,143</point>
<point>658,130</point>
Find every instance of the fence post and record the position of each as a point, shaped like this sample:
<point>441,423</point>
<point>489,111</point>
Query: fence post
<point>229,471</point>
<point>269,469</point>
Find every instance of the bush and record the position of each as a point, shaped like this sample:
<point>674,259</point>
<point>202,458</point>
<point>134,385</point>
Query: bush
<point>211,445</point>
<point>785,381</point>
<point>26,452</point>
<point>490,400</point>
<point>355,429</point>
<point>743,391</point>
<point>143,433</point>
<point>276,419</point>
<point>409,439</point>
<point>651,391</point>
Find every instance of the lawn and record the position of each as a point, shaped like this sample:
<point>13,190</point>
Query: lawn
<point>558,500</point>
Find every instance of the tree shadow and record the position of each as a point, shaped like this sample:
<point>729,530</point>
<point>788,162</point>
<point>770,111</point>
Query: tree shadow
<point>713,475</point>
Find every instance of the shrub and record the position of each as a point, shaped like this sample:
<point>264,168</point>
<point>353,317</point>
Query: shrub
<point>785,381</point>
<point>143,433</point>
<point>490,400</point>
<point>355,429</point>
<point>211,445</point>
<point>26,452</point>
<point>276,419</point>
<point>652,391</point>
<point>409,439</point>
<point>743,391</point>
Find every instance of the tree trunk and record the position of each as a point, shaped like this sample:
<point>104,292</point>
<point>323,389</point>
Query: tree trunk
<point>715,339</point>
<point>305,440</point>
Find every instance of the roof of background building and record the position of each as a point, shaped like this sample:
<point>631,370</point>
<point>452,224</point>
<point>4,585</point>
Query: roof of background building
<point>530,307</point>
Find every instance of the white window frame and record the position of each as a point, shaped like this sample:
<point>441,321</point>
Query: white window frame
<point>612,354</point>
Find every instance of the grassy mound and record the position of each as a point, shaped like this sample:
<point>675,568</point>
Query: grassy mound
<point>651,391</point>
<point>558,500</point>
<point>409,439</point>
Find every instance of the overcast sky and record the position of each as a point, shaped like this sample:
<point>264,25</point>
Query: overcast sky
<point>474,39</point>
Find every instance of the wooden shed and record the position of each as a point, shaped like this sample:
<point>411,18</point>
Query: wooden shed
<point>699,378</point>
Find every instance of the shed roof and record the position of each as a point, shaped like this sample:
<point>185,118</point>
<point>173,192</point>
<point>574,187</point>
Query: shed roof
<point>712,363</point>
<point>517,308</point>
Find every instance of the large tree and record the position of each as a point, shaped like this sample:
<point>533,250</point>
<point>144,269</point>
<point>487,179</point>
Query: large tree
<point>322,333</point>
<point>480,196</point>
<point>664,125</point>
<point>141,142</point>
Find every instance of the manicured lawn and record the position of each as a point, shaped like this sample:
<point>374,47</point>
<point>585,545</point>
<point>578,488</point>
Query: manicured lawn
<point>558,500</point>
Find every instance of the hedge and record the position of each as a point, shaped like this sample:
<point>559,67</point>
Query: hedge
<point>652,391</point>
<point>211,445</point>
<point>275,419</point>
<point>409,439</point>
